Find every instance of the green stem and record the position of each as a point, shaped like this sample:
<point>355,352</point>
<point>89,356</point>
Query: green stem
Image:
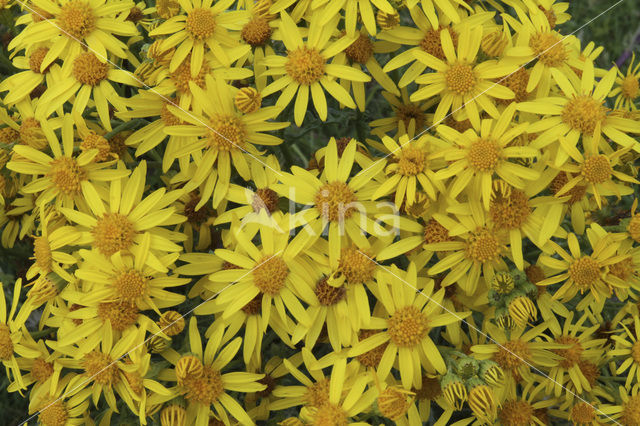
<point>124,126</point>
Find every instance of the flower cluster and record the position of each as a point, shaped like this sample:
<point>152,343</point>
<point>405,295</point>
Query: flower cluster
<point>210,243</point>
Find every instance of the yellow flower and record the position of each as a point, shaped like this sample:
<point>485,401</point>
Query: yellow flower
<point>412,315</point>
<point>72,23</point>
<point>224,135</point>
<point>627,87</point>
<point>305,68</point>
<point>206,27</point>
<point>463,84</point>
<point>581,112</point>
<point>21,84</point>
<point>627,346</point>
<point>66,175</point>
<point>355,10</point>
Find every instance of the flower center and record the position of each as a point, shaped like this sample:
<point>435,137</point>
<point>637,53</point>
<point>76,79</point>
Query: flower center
<point>576,193</point>
<point>584,272</point>
<point>200,23</point>
<point>356,265</point>
<point>257,31</point>
<point>512,354</point>
<point>53,414</point>
<point>572,354</point>
<point>317,394</point>
<point>204,389</point>
<point>407,112</point>
<point>229,134</point>
<point>483,246</point>
<point>334,200</point>
<point>583,113</point>
<point>629,87</point>
<point>430,388</point>
<point>6,345</point>
<point>330,415</point>
<point>483,155</point>
<point>77,19</point>
<point>188,368</point>
<point>265,198</point>
<point>394,402</point>
<point>42,253</point>
<point>195,217</point>
<point>582,414</point>
<point>248,100</point>
<point>434,232</point>
<point>167,117</point>
<point>432,44</point>
<point>41,370</point>
<point>412,161</point>
<point>623,269</point>
<point>182,76</point>
<point>517,82</point>
<point>509,207</point>
<point>634,227</point>
<point>327,294</point>
<point>271,383</point>
<point>92,140</point>
<point>589,370</point>
<point>408,326</point>
<point>305,66</point>
<point>387,21</point>
<point>371,358</point>
<point>113,232</point>
<point>549,48</point>
<point>270,275</point>
<point>360,50</point>
<point>120,314</point>
<point>36,58</point>
<point>131,285</point>
<point>597,169</point>
<point>99,366</point>
<point>66,175</point>
<point>460,79</point>
<point>88,69</point>
<point>631,411</point>
<point>254,307</point>
<point>516,413</point>
<point>635,352</point>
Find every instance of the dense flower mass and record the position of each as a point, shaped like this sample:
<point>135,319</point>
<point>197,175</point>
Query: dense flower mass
<point>211,216</point>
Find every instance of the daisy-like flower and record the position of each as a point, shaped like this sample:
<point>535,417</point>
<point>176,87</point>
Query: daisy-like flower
<point>275,270</point>
<point>11,334</point>
<point>628,348</point>
<point>123,225</point>
<point>424,36</point>
<point>223,136</point>
<point>201,380</point>
<point>125,279</point>
<point>478,154</point>
<point>93,24</point>
<point>412,315</point>
<point>627,89</point>
<point>206,26</point>
<point>528,407</point>
<point>86,77</point>
<point>336,200</point>
<point>409,166</point>
<point>64,175</point>
<point>627,411</point>
<point>21,84</point>
<point>478,249</point>
<point>65,402</point>
<point>584,273</point>
<point>581,112</point>
<point>579,344</point>
<point>306,69</point>
<point>463,84</point>
<point>535,40</point>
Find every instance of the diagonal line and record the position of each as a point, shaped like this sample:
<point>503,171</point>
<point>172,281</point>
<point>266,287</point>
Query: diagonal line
<point>461,319</point>
<point>402,145</point>
<point>71,392</point>
<point>146,86</point>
